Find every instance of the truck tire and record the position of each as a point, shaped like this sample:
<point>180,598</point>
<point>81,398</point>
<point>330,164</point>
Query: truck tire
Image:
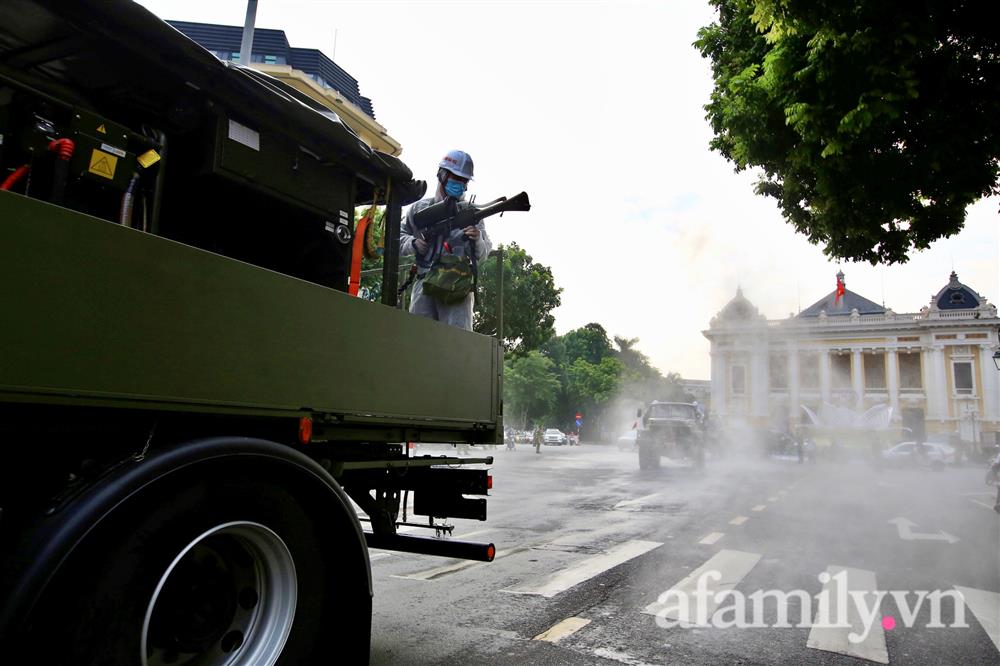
<point>649,457</point>
<point>218,564</point>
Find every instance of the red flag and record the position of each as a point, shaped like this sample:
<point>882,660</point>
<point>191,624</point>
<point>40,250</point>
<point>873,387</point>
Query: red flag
<point>841,289</point>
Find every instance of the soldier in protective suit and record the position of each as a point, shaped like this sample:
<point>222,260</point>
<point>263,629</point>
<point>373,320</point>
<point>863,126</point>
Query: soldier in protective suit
<point>453,175</point>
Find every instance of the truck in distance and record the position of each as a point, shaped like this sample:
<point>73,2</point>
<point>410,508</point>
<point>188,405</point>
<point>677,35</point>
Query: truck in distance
<point>671,429</point>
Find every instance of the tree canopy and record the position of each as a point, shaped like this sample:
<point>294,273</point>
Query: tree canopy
<point>874,122</point>
<point>589,343</point>
<point>531,387</point>
<point>529,296</point>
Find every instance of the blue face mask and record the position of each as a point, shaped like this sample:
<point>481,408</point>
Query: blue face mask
<point>453,188</point>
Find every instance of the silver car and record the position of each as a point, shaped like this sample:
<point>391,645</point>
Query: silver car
<point>554,436</point>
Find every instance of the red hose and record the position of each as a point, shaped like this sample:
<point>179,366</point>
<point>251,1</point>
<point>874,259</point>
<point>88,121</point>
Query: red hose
<point>63,148</point>
<point>12,179</point>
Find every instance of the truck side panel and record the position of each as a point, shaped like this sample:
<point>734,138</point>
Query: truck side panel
<point>95,310</point>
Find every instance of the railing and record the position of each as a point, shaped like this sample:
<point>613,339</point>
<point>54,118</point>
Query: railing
<point>849,320</point>
<point>955,314</point>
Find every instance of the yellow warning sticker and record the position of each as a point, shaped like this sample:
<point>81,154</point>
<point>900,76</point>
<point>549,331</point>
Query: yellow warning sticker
<point>148,158</point>
<point>103,164</point>
<point>102,129</point>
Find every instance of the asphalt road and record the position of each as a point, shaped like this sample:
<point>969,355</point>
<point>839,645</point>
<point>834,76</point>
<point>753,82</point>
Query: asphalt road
<point>587,544</point>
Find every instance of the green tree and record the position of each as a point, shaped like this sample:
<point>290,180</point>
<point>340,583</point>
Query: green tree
<point>593,384</point>
<point>531,386</point>
<point>589,342</point>
<point>529,296</point>
<point>874,122</point>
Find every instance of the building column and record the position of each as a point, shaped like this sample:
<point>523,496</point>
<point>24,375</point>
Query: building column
<point>824,375</point>
<point>794,403</point>
<point>857,379</point>
<point>991,383</point>
<point>937,384</point>
<point>892,382</point>
<point>759,383</point>
<point>719,379</point>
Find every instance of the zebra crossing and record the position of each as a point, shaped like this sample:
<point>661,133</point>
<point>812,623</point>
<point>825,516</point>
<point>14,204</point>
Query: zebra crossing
<point>839,626</point>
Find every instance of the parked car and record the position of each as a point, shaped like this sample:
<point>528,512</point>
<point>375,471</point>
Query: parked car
<point>934,455</point>
<point>627,440</point>
<point>555,437</point>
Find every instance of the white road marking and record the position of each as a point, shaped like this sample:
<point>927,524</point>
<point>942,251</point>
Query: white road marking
<point>985,605</point>
<point>680,602</point>
<point>633,504</point>
<point>620,657</point>
<point>378,556</point>
<point>843,610</point>
<point>586,569</point>
<point>437,572</point>
<point>906,532</point>
<point>474,533</point>
<point>772,499</point>
<point>561,630</point>
<point>759,507</point>
<point>983,504</point>
<point>782,492</point>
<point>738,520</point>
<point>712,538</point>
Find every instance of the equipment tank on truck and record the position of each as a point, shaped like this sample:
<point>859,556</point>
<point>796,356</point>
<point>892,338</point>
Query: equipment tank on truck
<point>190,404</point>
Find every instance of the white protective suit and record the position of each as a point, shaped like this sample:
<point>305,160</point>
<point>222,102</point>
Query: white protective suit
<point>458,314</point>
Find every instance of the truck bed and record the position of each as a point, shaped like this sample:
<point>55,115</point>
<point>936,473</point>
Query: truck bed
<point>99,314</point>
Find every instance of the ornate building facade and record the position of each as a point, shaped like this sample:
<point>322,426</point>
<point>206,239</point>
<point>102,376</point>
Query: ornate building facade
<point>933,368</point>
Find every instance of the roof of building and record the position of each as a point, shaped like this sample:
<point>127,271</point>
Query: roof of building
<point>273,43</point>
<point>847,303</point>
<point>957,296</point>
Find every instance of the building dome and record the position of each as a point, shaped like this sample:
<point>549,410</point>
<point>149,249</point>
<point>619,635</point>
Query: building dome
<point>739,309</point>
<point>956,296</point>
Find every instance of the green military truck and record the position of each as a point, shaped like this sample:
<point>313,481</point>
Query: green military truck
<point>191,406</point>
<point>671,429</point>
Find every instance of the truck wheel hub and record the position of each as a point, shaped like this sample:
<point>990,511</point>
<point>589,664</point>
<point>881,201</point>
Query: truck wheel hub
<point>227,599</point>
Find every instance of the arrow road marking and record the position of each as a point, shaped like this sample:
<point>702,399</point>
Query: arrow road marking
<point>906,532</point>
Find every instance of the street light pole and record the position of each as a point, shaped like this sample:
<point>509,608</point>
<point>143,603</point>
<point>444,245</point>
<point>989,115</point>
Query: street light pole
<point>246,45</point>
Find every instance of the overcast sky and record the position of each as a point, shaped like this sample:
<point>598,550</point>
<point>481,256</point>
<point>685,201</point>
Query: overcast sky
<point>595,109</point>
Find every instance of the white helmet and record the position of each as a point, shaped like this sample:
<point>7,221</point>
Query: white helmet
<point>458,163</point>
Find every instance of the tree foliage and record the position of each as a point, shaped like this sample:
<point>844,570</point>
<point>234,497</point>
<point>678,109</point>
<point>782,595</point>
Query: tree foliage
<point>529,296</point>
<point>531,387</point>
<point>589,343</point>
<point>874,122</point>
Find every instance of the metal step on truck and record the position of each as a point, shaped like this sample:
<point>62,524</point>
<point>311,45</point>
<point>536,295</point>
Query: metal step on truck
<point>191,406</point>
